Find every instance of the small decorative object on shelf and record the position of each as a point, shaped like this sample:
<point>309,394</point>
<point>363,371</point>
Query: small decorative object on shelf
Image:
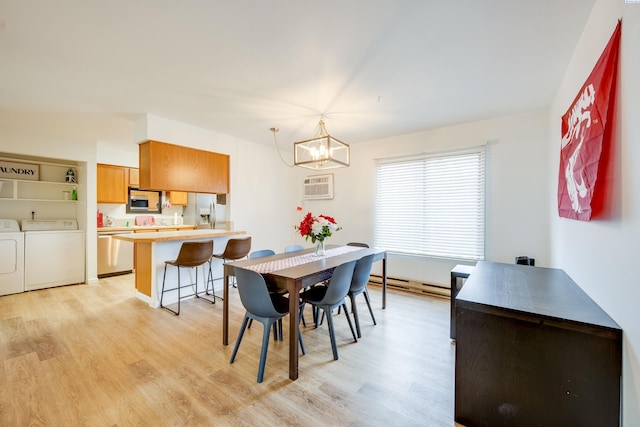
<point>318,228</point>
<point>70,178</point>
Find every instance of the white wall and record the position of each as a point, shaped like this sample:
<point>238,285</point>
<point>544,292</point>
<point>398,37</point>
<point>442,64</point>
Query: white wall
<point>602,255</point>
<point>517,174</point>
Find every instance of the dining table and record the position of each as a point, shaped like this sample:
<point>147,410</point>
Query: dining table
<point>296,271</point>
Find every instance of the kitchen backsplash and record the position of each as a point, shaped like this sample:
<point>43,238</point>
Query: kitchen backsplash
<point>119,216</point>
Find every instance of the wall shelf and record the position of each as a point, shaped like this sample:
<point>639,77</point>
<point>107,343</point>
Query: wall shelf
<point>51,187</point>
<point>16,189</point>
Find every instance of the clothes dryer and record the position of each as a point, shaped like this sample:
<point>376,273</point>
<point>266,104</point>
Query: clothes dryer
<point>11,257</point>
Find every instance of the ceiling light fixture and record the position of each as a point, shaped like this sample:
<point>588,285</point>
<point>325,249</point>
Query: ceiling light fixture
<point>321,152</point>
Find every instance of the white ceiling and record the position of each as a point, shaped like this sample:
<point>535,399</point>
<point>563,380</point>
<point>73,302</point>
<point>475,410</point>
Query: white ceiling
<point>373,68</point>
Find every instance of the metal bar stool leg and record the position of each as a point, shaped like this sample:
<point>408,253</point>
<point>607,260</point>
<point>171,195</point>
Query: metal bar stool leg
<point>206,278</point>
<point>211,280</point>
<point>164,277</point>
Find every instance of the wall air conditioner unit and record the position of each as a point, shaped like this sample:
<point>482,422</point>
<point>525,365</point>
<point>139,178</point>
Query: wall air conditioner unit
<point>317,187</point>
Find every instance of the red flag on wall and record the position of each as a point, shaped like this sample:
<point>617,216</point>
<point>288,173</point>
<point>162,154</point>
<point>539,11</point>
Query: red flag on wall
<point>584,132</point>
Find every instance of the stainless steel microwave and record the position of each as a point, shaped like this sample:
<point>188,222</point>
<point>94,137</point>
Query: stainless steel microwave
<point>144,201</point>
<point>139,203</point>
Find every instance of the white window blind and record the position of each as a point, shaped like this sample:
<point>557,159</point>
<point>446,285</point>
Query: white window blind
<point>432,205</point>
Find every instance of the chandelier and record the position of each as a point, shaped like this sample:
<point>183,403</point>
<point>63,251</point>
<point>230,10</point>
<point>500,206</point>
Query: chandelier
<point>321,152</point>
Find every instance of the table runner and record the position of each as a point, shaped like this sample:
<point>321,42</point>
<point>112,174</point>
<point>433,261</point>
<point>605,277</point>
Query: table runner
<point>281,264</point>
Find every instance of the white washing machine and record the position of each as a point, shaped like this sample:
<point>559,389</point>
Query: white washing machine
<point>11,257</point>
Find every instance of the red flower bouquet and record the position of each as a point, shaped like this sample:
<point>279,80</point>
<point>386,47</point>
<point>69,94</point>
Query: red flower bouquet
<point>318,228</point>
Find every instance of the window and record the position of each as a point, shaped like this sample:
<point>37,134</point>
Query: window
<point>432,204</point>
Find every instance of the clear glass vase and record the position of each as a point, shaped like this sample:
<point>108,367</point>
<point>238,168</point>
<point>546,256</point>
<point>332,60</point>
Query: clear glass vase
<point>319,248</point>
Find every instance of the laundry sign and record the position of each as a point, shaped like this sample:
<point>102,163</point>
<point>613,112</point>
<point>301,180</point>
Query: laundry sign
<point>19,171</point>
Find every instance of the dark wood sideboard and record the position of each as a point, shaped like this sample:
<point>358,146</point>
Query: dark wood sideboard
<point>459,274</point>
<point>532,349</point>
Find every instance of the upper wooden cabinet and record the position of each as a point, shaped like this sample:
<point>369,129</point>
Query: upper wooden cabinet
<point>171,167</point>
<point>112,182</point>
<point>134,177</point>
<point>177,198</point>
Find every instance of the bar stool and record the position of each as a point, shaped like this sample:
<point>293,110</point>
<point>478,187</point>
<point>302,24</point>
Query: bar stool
<point>236,249</point>
<point>192,255</point>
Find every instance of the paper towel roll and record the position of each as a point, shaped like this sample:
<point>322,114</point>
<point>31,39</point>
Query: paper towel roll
<point>175,218</point>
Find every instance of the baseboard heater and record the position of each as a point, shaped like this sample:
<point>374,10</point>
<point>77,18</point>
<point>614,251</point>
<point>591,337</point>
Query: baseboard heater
<point>407,285</point>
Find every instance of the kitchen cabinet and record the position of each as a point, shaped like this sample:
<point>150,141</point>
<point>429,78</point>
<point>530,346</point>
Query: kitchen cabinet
<point>112,183</point>
<point>50,188</point>
<point>171,167</point>
<point>134,177</point>
<point>177,198</point>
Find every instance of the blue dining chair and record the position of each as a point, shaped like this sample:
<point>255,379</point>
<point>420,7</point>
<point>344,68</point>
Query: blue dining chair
<point>261,253</point>
<point>263,307</point>
<point>327,298</point>
<point>293,248</point>
<point>359,286</point>
<point>276,328</point>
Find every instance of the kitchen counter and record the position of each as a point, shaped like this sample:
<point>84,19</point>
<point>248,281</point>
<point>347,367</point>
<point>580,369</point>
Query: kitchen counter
<point>153,249</point>
<point>164,236</point>
<point>147,228</point>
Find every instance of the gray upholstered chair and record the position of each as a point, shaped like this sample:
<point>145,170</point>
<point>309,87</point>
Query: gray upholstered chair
<point>262,306</point>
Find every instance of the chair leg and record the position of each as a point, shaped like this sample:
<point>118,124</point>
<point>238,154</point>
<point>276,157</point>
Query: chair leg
<point>366,298</point>
<point>266,335</point>
<point>346,314</point>
<point>304,322</point>
<point>239,339</point>
<point>302,350</point>
<point>354,310</point>
<point>332,334</point>
<point>275,329</point>
<point>208,278</point>
<point>301,315</point>
<point>211,280</point>
<point>318,318</point>
<point>164,277</point>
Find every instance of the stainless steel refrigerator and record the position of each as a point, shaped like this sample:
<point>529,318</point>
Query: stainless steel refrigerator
<point>206,210</point>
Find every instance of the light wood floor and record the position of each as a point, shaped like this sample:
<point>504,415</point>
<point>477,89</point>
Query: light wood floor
<point>95,355</point>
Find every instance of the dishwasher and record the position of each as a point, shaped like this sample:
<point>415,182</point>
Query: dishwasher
<point>115,256</point>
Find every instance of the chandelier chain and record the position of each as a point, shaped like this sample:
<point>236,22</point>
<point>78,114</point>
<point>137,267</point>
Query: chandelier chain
<point>274,130</point>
